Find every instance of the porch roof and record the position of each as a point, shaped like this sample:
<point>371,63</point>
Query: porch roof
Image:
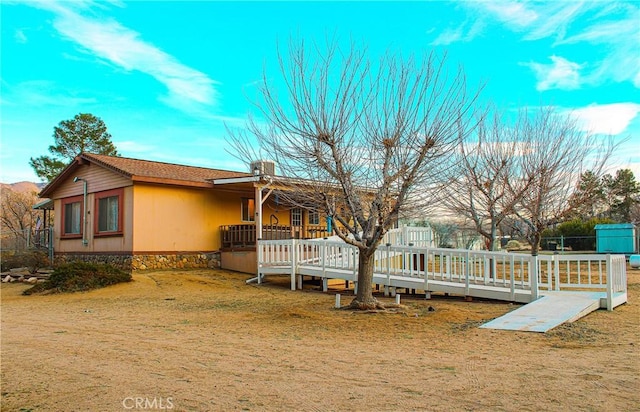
<point>46,204</point>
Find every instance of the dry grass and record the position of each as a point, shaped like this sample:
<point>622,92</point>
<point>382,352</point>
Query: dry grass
<point>208,341</point>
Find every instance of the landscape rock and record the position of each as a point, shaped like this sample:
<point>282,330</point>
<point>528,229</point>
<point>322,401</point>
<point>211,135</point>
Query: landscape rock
<point>8,279</point>
<point>32,280</point>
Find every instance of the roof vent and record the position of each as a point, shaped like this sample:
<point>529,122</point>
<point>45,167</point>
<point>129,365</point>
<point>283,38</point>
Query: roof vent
<point>263,167</point>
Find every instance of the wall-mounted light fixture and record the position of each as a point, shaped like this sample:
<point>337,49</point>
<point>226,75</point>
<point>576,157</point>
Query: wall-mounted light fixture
<point>76,179</point>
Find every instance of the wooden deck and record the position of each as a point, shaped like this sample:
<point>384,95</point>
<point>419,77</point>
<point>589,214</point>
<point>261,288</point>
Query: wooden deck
<point>491,275</point>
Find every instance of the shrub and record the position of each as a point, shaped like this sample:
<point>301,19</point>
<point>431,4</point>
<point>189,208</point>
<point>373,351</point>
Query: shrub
<point>80,276</point>
<point>32,259</point>
<point>513,245</point>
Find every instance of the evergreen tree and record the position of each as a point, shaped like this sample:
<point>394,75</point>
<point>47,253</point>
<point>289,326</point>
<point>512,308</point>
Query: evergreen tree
<point>624,195</point>
<point>84,133</point>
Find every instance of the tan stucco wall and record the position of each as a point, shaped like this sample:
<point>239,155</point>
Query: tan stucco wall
<point>182,219</point>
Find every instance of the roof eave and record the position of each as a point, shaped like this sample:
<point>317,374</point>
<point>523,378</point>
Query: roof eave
<point>173,182</point>
<point>232,180</point>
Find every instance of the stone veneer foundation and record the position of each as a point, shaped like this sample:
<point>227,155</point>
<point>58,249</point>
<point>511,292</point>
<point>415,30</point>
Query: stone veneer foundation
<point>147,262</point>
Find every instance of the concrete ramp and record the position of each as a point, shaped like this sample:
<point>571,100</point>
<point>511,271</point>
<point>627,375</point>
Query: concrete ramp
<point>549,311</point>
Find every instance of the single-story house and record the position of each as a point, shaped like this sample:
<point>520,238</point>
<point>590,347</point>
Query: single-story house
<point>140,214</point>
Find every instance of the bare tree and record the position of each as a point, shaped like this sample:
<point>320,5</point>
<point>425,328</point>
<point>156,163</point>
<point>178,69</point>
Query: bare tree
<point>16,217</point>
<point>489,179</point>
<point>558,153</point>
<point>359,140</point>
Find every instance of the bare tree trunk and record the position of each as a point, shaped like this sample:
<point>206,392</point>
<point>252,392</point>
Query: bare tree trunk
<point>535,242</point>
<point>364,298</point>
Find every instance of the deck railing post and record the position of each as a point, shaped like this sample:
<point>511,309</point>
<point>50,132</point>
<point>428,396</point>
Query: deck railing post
<point>292,256</point>
<point>512,284</point>
<point>556,271</point>
<point>609,283</point>
<point>260,259</point>
<point>467,274</point>
<point>533,278</point>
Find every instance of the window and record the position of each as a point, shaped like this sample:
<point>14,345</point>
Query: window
<point>314,217</point>
<point>108,214</point>
<point>108,220</point>
<point>72,217</point>
<point>296,217</point>
<point>248,210</point>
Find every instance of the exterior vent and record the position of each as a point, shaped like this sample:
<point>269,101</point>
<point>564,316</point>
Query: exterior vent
<point>263,167</point>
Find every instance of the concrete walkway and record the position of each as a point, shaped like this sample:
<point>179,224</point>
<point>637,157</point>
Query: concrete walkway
<point>551,310</point>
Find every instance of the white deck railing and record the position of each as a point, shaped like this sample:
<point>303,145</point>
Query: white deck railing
<point>499,270</point>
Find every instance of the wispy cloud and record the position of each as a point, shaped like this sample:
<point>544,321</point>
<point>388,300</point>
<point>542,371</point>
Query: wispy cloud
<point>610,119</point>
<point>463,33</point>
<point>513,13</point>
<point>560,74</point>
<point>20,36</point>
<point>613,26</point>
<point>123,47</point>
<point>622,41</point>
<point>37,93</point>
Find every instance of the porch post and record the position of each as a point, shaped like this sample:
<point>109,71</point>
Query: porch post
<point>258,207</point>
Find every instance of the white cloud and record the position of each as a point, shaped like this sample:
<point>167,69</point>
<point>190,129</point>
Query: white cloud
<point>459,34</point>
<point>512,13</point>
<point>555,18</point>
<point>116,44</point>
<point>621,63</point>
<point>560,74</point>
<point>37,93</point>
<point>611,25</point>
<point>610,119</point>
<point>20,36</point>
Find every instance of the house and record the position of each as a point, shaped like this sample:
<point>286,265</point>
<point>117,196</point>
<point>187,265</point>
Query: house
<point>139,214</point>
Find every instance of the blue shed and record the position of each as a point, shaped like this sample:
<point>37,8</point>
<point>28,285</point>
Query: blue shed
<point>616,238</point>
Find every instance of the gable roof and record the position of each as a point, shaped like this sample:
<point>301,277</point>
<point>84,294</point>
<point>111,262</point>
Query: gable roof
<point>145,171</point>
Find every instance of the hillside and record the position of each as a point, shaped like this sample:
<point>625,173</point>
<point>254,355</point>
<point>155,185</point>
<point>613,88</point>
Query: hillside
<point>23,187</point>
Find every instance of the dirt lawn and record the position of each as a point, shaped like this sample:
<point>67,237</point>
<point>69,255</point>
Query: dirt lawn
<point>204,340</point>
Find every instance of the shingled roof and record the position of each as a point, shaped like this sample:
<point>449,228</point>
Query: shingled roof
<point>146,171</point>
<point>139,169</point>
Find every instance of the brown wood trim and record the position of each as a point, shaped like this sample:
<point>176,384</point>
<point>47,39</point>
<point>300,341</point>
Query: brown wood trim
<point>238,249</point>
<point>174,182</point>
<point>116,253</point>
<point>173,252</point>
<point>146,253</point>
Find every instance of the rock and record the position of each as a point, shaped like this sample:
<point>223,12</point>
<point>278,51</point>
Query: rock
<point>21,279</point>
<point>7,279</point>
<point>41,280</point>
<point>32,280</point>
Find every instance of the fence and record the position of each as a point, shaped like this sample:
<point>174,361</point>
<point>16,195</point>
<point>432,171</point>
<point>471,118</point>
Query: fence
<point>28,239</point>
<point>498,275</point>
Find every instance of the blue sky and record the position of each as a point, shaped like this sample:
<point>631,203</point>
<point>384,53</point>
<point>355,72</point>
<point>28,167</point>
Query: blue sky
<point>166,76</point>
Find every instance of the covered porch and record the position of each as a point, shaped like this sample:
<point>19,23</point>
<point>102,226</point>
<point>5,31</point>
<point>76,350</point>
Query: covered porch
<point>264,216</point>
<point>245,235</point>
